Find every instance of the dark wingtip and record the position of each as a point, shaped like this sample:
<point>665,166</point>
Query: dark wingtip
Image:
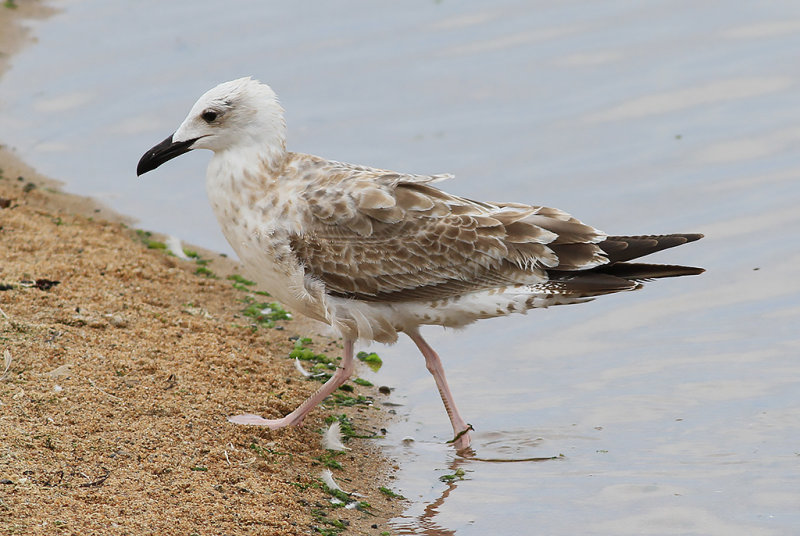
<point>692,270</point>
<point>626,248</point>
<point>634,271</point>
<point>693,237</point>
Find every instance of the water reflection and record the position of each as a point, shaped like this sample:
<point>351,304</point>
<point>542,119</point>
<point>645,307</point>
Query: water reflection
<point>425,524</point>
<point>501,448</point>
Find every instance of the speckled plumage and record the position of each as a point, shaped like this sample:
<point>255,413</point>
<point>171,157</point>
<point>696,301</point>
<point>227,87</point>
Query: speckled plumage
<point>374,252</point>
<point>316,234</point>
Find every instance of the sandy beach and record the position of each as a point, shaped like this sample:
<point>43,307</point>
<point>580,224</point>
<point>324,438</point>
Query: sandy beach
<point>120,362</point>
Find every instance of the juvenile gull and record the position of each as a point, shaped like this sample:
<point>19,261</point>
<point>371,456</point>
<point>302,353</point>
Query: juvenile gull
<point>374,252</point>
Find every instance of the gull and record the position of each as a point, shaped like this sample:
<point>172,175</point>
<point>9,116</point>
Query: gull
<point>373,252</point>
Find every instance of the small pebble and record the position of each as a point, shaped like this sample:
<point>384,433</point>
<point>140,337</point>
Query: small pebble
<point>118,321</point>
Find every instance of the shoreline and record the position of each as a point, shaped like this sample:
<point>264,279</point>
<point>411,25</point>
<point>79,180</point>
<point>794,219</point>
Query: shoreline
<point>123,362</point>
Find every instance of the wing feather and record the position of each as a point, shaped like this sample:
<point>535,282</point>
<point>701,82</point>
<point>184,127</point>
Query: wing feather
<point>378,235</point>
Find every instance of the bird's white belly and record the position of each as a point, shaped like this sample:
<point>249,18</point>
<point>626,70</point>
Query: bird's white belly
<point>382,321</point>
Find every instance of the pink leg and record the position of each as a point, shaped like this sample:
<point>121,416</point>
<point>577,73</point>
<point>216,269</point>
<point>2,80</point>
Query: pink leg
<point>296,417</point>
<point>460,427</point>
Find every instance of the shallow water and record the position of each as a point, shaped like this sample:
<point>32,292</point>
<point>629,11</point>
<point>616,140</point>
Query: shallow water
<point>677,408</point>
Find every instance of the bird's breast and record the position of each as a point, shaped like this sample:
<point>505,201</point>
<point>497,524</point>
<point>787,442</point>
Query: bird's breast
<point>258,227</point>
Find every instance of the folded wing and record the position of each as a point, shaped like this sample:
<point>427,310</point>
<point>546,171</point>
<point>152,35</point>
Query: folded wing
<point>382,236</point>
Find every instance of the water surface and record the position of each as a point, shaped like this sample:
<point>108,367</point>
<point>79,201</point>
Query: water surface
<point>674,410</point>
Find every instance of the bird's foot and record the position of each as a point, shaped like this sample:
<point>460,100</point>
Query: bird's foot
<point>462,440</point>
<point>256,420</point>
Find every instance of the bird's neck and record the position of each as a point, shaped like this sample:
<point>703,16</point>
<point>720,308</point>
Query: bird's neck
<point>248,160</point>
<point>245,170</point>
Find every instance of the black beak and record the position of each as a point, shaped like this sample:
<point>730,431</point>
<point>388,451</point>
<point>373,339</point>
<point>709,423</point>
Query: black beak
<point>166,150</point>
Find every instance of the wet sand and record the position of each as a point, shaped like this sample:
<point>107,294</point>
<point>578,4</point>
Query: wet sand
<point>124,363</point>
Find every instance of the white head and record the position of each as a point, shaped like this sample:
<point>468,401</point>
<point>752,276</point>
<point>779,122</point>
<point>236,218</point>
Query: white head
<point>242,114</point>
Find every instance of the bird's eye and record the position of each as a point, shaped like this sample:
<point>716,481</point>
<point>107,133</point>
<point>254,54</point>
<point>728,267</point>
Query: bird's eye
<point>209,116</point>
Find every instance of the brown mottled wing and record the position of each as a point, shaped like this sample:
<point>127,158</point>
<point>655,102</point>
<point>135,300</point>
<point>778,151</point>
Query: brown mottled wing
<point>376,235</point>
